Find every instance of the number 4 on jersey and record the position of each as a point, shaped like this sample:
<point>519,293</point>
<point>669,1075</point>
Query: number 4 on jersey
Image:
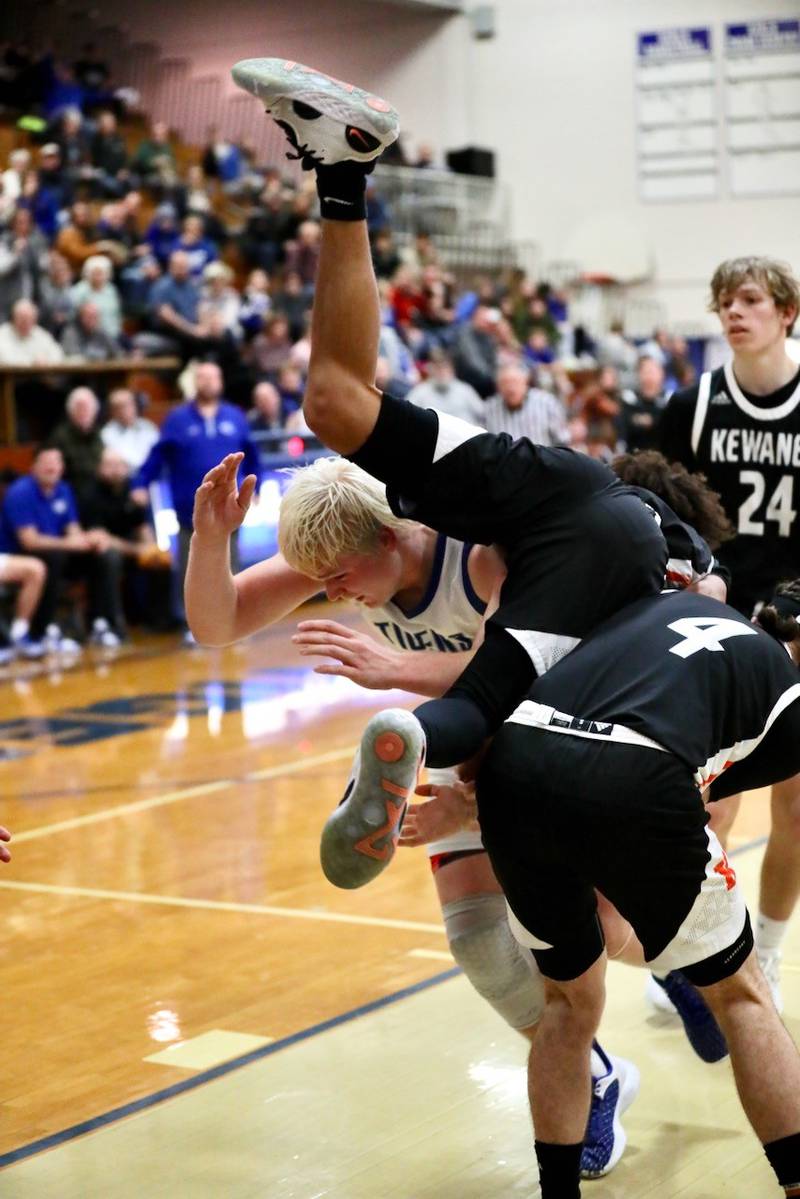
<point>706,632</point>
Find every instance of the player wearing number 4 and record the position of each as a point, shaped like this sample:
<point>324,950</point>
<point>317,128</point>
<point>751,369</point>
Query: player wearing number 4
<point>741,427</point>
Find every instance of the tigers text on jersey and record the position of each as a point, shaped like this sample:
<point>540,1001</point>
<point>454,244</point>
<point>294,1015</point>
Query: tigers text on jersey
<point>449,614</point>
<point>682,670</point>
<point>748,447</point>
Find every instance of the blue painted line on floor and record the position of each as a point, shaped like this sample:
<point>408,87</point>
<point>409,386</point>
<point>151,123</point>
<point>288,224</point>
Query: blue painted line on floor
<point>198,1080</point>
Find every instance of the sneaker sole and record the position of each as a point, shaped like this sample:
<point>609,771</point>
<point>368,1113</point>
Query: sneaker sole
<point>360,836</point>
<point>272,79</point>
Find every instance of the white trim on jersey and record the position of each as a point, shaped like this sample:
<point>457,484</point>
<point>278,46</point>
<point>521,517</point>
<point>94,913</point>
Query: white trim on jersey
<point>719,763</point>
<point>542,716</point>
<point>701,409</point>
<point>752,410</point>
<point>453,432</point>
<point>544,649</point>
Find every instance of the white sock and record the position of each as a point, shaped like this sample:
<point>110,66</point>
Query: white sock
<point>769,933</point>
<point>19,628</point>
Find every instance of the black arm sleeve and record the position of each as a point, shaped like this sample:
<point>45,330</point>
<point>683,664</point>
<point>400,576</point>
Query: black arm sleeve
<point>495,681</point>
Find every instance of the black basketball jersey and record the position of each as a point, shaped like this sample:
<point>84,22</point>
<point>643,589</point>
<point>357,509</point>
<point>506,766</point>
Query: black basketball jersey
<point>749,449</point>
<point>681,669</point>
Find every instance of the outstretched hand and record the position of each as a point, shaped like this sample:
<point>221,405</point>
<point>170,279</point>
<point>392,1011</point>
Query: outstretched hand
<point>358,656</point>
<point>220,505</point>
<point>450,810</point>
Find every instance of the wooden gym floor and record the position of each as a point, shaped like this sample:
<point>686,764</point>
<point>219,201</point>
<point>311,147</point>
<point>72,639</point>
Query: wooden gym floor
<point>192,1011</point>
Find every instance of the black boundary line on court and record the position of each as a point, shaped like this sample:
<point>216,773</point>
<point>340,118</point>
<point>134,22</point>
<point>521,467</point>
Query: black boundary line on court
<point>189,1084</point>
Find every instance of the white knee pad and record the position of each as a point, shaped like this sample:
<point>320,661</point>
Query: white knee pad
<point>499,969</point>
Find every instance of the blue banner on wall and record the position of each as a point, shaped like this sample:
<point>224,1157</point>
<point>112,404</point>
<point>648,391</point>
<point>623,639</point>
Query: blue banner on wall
<point>762,37</point>
<point>666,45</point>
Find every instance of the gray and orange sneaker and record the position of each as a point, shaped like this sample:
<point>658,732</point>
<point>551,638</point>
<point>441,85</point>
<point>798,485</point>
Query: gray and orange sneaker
<point>360,837</point>
<point>325,120</point>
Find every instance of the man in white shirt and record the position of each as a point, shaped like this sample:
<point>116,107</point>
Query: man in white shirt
<point>525,411</point>
<point>445,393</point>
<point>23,342</point>
<point>131,435</point>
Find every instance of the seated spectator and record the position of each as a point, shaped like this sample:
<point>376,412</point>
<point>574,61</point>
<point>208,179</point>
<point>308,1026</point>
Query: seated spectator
<point>644,407</point>
<point>73,141</point>
<point>55,292</point>
<point>77,437</point>
<point>109,506</point>
<point>173,305</point>
<point>267,228</point>
<point>291,385</point>
<point>129,434</point>
<point>109,157</point>
<point>271,348</point>
<point>419,253</point>
<point>197,248</point>
<point>23,342</point>
<point>405,296</point>
<point>537,350</point>
<point>266,414</point>
<point>293,301</point>
<point>62,92</point>
<point>218,296</point>
<point>52,191</point>
<point>78,240</point>
<point>476,349</point>
<point>256,302</point>
<point>85,338</point>
<point>162,233</point>
<point>525,411</point>
<point>378,214</point>
<point>23,249</point>
<point>154,160</point>
<point>442,391</point>
<point>300,353</point>
<point>395,385</point>
<point>39,516</point>
<point>437,311</point>
<point>96,286</point>
<point>385,257</point>
<point>301,254</point>
<point>119,222</point>
<point>13,177</point>
<point>222,160</point>
<point>193,199</point>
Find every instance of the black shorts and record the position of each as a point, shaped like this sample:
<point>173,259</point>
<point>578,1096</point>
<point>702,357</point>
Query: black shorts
<point>561,815</point>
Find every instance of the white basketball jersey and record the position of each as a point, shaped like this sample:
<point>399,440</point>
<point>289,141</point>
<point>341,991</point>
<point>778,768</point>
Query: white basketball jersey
<point>446,619</point>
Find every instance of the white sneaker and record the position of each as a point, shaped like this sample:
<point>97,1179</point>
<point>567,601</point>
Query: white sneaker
<point>326,121</point>
<point>55,643</point>
<point>103,635</point>
<point>658,998</point>
<point>770,962</point>
<point>360,836</point>
<point>6,655</point>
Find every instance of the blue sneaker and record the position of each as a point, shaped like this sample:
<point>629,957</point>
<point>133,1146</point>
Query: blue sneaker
<point>26,647</point>
<point>359,838</point>
<point>705,1035</point>
<point>613,1091</point>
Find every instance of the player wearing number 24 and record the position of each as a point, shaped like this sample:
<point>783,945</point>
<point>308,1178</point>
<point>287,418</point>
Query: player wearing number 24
<point>740,425</point>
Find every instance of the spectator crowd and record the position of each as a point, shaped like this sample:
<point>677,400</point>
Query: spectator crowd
<point>118,243</point>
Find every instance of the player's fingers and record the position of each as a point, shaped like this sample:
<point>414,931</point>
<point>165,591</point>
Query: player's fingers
<point>246,490</point>
<point>338,668</point>
<point>5,835</point>
<point>324,626</point>
<point>322,640</point>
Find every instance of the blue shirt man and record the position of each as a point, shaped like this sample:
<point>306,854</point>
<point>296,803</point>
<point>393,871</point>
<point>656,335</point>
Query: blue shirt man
<point>176,291</point>
<point>195,437</point>
<point>28,504</point>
